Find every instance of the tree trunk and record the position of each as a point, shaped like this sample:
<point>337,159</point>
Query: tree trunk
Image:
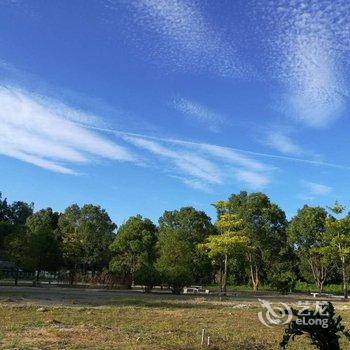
<point>71,277</point>
<point>224,279</point>
<point>319,273</point>
<point>321,286</point>
<point>37,276</point>
<point>254,274</point>
<point>16,276</point>
<point>257,281</point>
<point>221,290</point>
<point>345,279</point>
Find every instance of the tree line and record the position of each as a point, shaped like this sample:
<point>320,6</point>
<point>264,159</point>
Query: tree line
<point>250,242</point>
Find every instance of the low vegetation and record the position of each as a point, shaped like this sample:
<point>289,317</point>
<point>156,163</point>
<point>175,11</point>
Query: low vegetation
<point>142,323</point>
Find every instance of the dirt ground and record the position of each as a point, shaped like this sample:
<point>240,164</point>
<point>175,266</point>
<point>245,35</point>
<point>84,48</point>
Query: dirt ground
<point>52,295</point>
<point>52,317</point>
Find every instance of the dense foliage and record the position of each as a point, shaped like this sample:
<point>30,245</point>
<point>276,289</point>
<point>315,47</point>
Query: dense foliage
<point>134,253</point>
<point>251,242</point>
<point>323,328</point>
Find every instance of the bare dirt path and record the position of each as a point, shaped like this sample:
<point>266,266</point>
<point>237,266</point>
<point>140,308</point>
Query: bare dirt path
<point>49,295</point>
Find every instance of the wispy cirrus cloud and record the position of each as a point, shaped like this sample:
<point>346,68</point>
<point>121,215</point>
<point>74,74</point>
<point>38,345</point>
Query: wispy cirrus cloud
<point>177,33</point>
<point>317,189</point>
<point>316,87</point>
<point>231,156</point>
<point>283,143</point>
<point>256,180</point>
<point>199,113</point>
<point>311,49</point>
<point>201,166</point>
<point>188,162</point>
<point>195,184</point>
<point>50,134</point>
<point>45,133</point>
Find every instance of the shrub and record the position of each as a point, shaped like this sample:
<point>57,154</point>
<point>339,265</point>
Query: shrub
<point>323,329</point>
<point>284,282</point>
<point>147,276</point>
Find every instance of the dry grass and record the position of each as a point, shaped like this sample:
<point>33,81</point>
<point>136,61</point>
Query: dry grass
<point>141,323</point>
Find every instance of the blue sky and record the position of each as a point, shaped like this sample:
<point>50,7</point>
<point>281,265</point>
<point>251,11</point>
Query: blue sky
<point>147,105</point>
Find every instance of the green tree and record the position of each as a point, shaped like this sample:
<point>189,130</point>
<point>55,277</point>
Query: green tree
<point>265,225</point>
<point>175,260</point>
<point>134,251</point>
<point>20,212</point>
<point>12,220</point>
<point>231,241</point>
<point>40,242</point>
<point>85,234</point>
<point>5,210</point>
<point>6,230</point>
<point>16,246</point>
<point>192,227</point>
<point>339,238</point>
<point>307,232</point>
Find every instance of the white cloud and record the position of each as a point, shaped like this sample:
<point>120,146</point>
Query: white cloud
<point>283,143</point>
<point>176,33</point>
<point>316,85</point>
<point>43,132</point>
<point>235,155</point>
<point>206,165</point>
<point>28,158</point>
<point>188,163</point>
<point>199,113</point>
<point>311,50</point>
<point>231,156</point>
<point>196,184</point>
<point>317,189</point>
<point>255,180</point>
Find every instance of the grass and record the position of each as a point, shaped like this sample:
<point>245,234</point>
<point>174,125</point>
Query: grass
<point>328,288</point>
<point>142,323</point>
<point>301,287</point>
<point>241,288</point>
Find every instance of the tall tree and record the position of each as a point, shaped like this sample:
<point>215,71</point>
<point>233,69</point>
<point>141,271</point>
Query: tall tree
<point>307,232</point>
<point>339,238</point>
<point>20,212</point>
<point>6,230</point>
<point>12,220</point>
<point>134,251</point>
<point>41,244</point>
<point>16,244</point>
<point>231,241</point>
<point>192,227</point>
<point>70,241</point>
<point>5,210</point>
<point>175,260</point>
<point>85,234</point>
<point>265,225</point>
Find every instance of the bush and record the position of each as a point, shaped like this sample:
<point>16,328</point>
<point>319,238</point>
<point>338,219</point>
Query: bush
<point>322,328</point>
<point>310,287</point>
<point>147,276</point>
<point>284,282</point>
